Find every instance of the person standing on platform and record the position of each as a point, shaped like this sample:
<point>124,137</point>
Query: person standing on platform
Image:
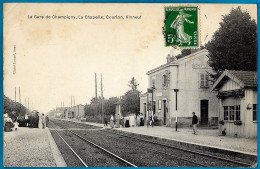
<point>15,125</point>
<point>47,121</point>
<point>112,121</point>
<point>194,123</point>
<point>37,119</point>
<point>105,120</point>
<point>26,120</point>
<point>43,121</point>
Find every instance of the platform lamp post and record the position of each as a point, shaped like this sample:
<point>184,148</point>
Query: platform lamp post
<point>150,90</point>
<point>176,120</point>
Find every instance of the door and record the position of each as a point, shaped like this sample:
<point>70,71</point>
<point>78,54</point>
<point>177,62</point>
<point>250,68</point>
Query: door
<point>204,114</point>
<point>164,112</point>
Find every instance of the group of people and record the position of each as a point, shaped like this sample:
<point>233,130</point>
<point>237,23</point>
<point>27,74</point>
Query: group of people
<point>43,121</point>
<point>35,120</point>
<point>194,122</point>
<point>112,121</point>
<point>151,122</point>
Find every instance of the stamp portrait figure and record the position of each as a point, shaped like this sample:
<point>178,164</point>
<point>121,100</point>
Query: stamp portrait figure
<point>178,26</point>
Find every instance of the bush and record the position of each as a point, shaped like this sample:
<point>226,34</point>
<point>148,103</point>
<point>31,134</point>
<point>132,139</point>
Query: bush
<point>238,123</point>
<point>221,122</point>
<point>8,126</point>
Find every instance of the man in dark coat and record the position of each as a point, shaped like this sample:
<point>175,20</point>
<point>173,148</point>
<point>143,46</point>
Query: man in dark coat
<point>37,120</point>
<point>47,121</point>
<point>194,123</point>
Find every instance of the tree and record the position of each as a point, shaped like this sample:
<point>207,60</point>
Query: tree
<point>13,109</point>
<point>131,102</point>
<point>94,108</point>
<point>109,106</point>
<point>133,84</point>
<point>234,45</point>
<point>131,99</point>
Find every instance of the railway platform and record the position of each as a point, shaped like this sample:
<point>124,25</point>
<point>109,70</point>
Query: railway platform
<point>206,138</point>
<point>31,147</point>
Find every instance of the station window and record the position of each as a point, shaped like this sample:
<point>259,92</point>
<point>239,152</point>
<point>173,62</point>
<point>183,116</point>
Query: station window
<point>153,82</point>
<point>204,80</point>
<point>237,112</point>
<point>159,104</point>
<point>225,112</point>
<point>255,116</point>
<point>164,80</point>
<point>232,112</point>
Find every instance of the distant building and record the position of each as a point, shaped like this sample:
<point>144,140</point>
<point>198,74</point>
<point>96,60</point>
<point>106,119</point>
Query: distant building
<point>237,94</point>
<point>178,88</point>
<point>59,112</point>
<point>75,112</point>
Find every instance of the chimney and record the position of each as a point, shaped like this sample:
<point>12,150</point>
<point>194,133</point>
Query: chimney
<point>168,58</point>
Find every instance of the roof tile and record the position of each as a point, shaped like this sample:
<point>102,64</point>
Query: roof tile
<point>249,78</point>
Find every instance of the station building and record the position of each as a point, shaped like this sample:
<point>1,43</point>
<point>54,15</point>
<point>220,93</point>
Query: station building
<point>237,94</point>
<point>76,112</point>
<point>178,88</point>
<point>59,112</point>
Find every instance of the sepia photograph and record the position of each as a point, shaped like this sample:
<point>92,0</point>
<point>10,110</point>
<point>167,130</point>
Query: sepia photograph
<point>130,85</point>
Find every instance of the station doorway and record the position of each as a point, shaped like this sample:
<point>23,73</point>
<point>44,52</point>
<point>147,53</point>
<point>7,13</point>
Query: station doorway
<point>204,112</point>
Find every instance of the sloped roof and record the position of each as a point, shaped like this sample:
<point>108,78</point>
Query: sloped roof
<point>178,61</point>
<point>243,78</point>
<point>249,78</point>
<point>119,102</point>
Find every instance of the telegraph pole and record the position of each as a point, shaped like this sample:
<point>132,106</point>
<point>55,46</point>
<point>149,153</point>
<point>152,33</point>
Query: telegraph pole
<point>19,96</point>
<point>95,85</point>
<point>74,100</point>
<point>28,104</point>
<point>102,99</point>
<point>15,94</point>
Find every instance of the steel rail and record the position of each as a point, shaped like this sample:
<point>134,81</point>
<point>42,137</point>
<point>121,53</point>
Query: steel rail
<point>110,153</point>
<point>187,150</point>
<point>72,150</point>
<point>181,158</point>
<point>175,156</point>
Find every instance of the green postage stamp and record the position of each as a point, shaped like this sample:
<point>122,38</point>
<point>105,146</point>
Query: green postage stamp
<point>181,26</point>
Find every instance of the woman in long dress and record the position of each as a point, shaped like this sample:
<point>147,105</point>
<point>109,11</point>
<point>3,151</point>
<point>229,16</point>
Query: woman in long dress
<point>178,26</point>
<point>112,121</point>
<point>40,121</point>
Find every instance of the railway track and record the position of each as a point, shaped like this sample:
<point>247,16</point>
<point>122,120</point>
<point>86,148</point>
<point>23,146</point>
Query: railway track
<point>106,151</point>
<point>207,155</point>
<point>195,158</point>
<point>122,162</point>
<point>80,159</point>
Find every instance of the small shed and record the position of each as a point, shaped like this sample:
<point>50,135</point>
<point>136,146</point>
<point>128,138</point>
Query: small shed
<point>237,95</point>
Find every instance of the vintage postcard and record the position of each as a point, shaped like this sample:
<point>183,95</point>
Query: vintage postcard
<point>130,85</point>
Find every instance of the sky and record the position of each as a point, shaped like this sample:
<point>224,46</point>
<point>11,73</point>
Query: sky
<point>58,58</point>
